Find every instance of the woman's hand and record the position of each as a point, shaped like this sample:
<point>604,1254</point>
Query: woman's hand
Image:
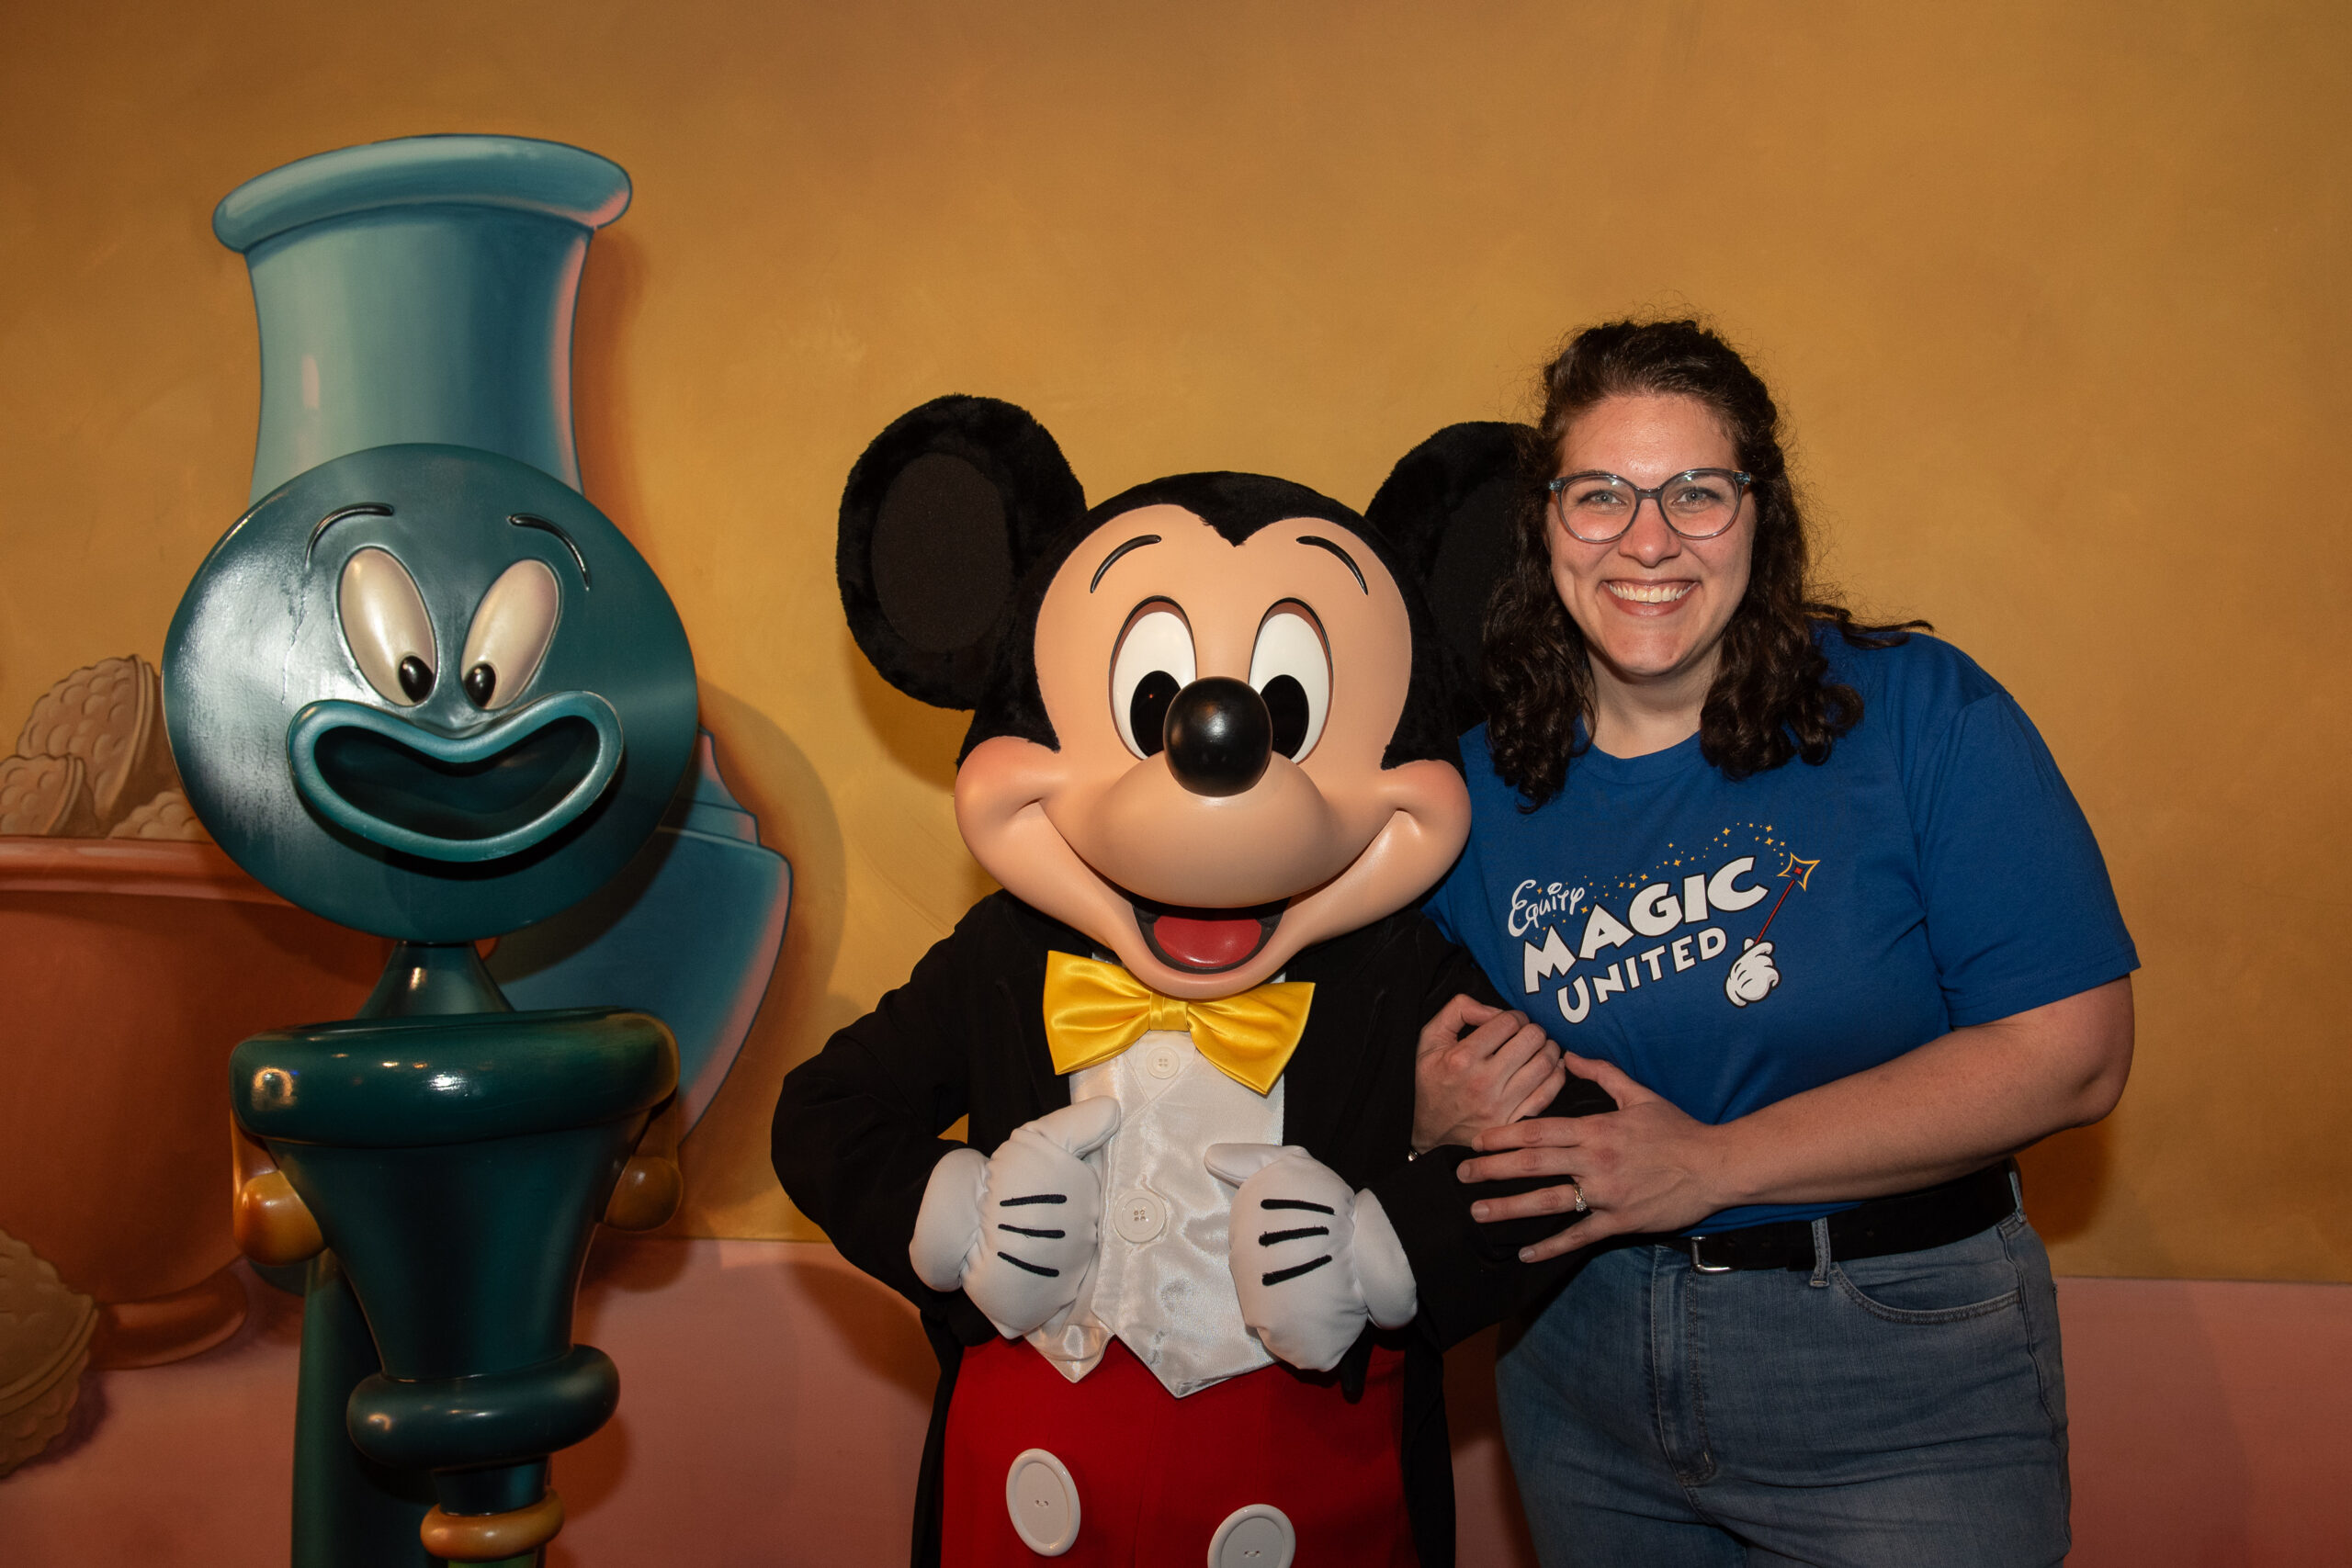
<point>1479,1066</point>
<point>1644,1166</point>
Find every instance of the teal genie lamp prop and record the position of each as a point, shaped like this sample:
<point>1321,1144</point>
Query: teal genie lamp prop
<point>424,688</point>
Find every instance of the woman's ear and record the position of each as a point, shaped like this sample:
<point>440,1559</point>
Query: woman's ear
<point>941,517</point>
<point>1447,511</point>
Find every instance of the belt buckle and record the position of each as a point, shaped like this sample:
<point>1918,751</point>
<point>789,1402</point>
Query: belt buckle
<point>1700,1264</point>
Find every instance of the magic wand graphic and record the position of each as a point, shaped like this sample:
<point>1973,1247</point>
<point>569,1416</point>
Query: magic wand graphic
<point>1800,879</point>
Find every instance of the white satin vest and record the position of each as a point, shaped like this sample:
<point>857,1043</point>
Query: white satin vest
<point>1160,1281</point>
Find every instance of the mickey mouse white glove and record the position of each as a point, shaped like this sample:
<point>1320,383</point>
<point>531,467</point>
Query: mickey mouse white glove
<point>1312,1260</point>
<point>1016,1230</point>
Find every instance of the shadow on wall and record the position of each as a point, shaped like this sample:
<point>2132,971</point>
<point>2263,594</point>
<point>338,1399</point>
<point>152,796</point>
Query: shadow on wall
<point>730,1188</point>
<point>921,739</point>
<point>2066,1178</point>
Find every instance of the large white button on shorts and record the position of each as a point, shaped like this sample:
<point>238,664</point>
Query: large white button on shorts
<point>1138,1216</point>
<point>1256,1537</point>
<point>1043,1501</point>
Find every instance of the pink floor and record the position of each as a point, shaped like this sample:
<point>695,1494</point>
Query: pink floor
<point>774,1403</point>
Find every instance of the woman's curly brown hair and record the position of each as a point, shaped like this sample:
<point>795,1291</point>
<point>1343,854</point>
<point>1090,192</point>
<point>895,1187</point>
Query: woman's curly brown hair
<point>1773,698</point>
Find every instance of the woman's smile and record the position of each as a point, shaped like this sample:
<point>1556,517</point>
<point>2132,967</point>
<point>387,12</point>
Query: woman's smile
<point>1641,598</point>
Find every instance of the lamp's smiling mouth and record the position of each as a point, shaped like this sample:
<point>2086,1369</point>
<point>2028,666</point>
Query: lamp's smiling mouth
<point>494,792</point>
<point>398,784</point>
<point>1206,942</point>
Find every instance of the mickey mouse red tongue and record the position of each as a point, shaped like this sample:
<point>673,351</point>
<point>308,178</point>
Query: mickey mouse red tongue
<point>1205,940</point>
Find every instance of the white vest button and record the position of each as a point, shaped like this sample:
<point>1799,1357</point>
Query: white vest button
<point>1259,1536</point>
<point>1138,1216</point>
<point>1043,1501</point>
<point>1163,1062</point>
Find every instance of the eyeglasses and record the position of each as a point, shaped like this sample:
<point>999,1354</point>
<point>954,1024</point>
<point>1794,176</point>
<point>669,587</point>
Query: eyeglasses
<point>1697,503</point>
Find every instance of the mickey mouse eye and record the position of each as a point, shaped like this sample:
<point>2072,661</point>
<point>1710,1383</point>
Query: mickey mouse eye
<point>1154,662</point>
<point>511,628</point>
<point>385,626</point>
<point>1291,667</point>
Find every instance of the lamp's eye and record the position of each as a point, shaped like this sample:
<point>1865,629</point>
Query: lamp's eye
<point>1154,661</point>
<point>1291,667</point>
<point>385,626</point>
<point>510,634</point>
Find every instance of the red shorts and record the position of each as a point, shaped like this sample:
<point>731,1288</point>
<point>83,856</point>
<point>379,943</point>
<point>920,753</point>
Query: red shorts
<point>1156,1476</point>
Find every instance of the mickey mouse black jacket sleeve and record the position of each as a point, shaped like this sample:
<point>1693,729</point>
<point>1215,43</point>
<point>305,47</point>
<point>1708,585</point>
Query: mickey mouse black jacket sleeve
<point>857,1126</point>
<point>1468,1275</point>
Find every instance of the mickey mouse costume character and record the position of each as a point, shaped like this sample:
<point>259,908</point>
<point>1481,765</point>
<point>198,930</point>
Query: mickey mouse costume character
<point>1186,1290</point>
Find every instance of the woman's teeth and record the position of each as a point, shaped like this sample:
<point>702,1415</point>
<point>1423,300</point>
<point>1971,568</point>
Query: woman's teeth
<point>1649,592</point>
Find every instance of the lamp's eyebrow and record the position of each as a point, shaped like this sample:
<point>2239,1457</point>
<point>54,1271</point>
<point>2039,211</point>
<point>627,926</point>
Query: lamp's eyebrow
<point>525,520</point>
<point>365,509</point>
<point>1325,544</point>
<point>1138,542</point>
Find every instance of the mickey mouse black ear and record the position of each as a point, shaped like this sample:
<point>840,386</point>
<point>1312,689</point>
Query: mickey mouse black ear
<point>1448,510</point>
<point>939,518</point>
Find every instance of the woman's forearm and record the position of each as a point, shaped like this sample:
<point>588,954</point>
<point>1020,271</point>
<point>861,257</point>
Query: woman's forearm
<point>1952,1106</point>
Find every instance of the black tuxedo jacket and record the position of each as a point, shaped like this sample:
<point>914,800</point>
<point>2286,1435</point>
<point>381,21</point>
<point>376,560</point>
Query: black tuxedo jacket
<point>856,1134</point>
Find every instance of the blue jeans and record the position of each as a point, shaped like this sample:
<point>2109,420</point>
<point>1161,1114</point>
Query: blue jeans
<point>1903,1412</point>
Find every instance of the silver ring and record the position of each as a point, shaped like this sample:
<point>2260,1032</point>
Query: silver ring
<point>1582,1207</point>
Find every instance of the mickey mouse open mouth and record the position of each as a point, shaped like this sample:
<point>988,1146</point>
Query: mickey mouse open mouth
<point>1206,942</point>
<point>482,796</point>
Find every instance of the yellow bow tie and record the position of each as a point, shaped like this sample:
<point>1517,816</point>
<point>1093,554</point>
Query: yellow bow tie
<point>1094,1010</point>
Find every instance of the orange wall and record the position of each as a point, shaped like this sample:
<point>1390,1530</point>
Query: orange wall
<point>2054,297</point>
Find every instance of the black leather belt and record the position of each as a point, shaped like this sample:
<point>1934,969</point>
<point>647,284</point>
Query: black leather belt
<point>1906,1221</point>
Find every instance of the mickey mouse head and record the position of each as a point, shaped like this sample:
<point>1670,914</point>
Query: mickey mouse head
<point>1214,718</point>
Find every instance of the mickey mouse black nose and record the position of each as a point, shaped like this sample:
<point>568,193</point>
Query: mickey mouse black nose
<point>1219,736</point>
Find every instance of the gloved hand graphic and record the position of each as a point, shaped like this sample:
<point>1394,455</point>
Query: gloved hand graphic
<point>1752,975</point>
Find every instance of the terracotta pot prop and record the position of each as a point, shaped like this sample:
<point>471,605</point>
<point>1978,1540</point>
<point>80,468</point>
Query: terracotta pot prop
<point>140,964</point>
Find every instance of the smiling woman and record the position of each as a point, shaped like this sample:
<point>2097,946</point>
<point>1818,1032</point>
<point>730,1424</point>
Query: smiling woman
<point>1828,1001</point>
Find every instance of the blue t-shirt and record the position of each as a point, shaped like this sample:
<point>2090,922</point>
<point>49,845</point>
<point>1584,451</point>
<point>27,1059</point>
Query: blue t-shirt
<point>1729,945</point>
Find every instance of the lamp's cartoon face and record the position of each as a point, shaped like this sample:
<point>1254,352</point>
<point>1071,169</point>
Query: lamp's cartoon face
<point>428,692</point>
